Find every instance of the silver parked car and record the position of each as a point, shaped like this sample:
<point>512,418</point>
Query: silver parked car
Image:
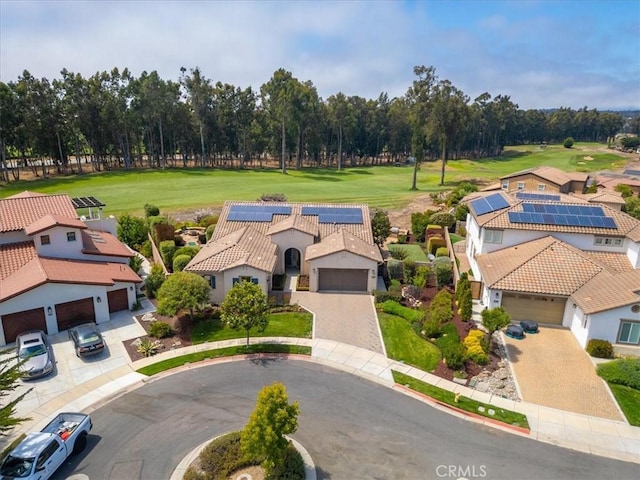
<point>35,352</point>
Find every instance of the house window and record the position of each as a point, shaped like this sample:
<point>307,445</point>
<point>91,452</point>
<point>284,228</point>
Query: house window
<point>235,280</point>
<point>493,236</point>
<point>45,240</point>
<point>505,184</point>
<point>245,279</point>
<point>629,332</point>
<point>520,185</point>
<point>212,282</point>
<point>71,236</point>
<point>541,187</point>
<point>608,241</point>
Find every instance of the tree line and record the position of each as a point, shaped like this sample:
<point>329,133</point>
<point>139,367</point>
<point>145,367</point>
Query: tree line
<point>114,120</point>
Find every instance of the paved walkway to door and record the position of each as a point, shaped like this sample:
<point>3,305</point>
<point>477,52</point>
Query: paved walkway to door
<point>552,369</point>
<point>343,317</point>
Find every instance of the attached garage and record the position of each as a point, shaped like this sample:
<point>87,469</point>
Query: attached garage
<point>540,308</point>
<point>343,279</point>
<point>74,313</point>
<point>118,300</point>
<point>15,323</point>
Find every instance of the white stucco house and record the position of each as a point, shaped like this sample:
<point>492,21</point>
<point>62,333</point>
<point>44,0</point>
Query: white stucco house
<point>55,271</point>
<point>559,259</point>
<point>331,243</point>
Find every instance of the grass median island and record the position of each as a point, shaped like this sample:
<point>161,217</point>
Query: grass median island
<point>195,357</point>
<point>467,404</point>
<point>284,324</point>
<point>403,344</point>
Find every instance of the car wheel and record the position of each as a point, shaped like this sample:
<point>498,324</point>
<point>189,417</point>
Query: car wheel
<point>81,442</point>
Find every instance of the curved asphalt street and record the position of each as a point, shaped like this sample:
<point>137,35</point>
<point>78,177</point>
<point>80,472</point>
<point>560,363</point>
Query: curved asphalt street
<point>353,429</point>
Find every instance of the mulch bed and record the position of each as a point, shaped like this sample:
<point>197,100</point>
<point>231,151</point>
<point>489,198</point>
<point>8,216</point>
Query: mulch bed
<point>182,327</point>
<point>472,369</point>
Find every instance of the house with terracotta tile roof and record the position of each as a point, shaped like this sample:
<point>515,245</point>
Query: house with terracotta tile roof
<point>558,259</point>
<point>55,271</point>
<point>545,179</point>
<point>331,243</point>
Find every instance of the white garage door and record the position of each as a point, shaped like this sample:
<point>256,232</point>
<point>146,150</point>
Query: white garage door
<point>343,279</point>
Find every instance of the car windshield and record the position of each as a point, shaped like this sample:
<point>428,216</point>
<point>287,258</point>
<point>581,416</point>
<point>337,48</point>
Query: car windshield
<point>32,351</point>
<point>16,467</point>
<point>88,337</point>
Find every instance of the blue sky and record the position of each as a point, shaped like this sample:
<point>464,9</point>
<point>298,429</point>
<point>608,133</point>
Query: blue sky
<point>541,53</point>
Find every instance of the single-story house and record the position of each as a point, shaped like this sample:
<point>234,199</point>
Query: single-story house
<point>330,243</point>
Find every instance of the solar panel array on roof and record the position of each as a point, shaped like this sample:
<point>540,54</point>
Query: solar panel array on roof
<point>632,172</point>
<point>335,214</point>
<point>489,204</point>
<point>570,220</point>
<point>256,213</point>
<point>591,210</point>
<point>86,202</point>
<point>541,197</point>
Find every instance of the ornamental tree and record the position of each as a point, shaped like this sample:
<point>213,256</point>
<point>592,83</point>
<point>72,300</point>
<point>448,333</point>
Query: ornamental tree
<point>380,225</point>
<point>495,319</point>
<point>183,291</point>
<point>9,381</point>
<point>245,306</point>
<point>273,417</point>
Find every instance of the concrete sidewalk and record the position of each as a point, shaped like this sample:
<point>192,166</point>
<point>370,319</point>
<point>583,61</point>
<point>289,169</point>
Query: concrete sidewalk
<point>579,432</point>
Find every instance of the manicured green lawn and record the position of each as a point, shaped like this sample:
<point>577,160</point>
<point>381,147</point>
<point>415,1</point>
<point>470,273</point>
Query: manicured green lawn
<point>170,363</point>
<point>404,345</point>
<point>175,190</point>
<point>286,324</point>
<point>629,401</point>
<point>464,403</point>
<point>414,252</point>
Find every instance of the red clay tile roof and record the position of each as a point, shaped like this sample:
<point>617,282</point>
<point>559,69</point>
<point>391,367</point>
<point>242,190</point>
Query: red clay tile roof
<point>596,281</point>
<point>294,222</point>
<point>19,211</point>
<point>343,241</point>
<point>14,256</point>
<point>51,220</point>
<point>103,243</point>
<point>550,174</point>
<point>246,246</point>
<point>39,271</point>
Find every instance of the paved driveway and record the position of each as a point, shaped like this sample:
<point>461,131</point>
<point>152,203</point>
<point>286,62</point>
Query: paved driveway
<point>343,317</point>
<point>552,369</point>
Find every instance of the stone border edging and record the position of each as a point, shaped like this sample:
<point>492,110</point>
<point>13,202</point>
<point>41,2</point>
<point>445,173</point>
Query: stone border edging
<point>180,470</point>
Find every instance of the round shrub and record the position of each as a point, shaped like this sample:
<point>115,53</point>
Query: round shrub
<point>209,231</point>
<point>600,348</point>
<point>442,252</point>
<point>151,210</point>
<point>568,142</point>
<point>625,371</point>
<point>160,330</point>
<point>180,261</point>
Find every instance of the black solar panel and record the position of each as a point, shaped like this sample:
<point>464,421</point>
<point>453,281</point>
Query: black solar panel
<point>256,213</point>
<point>86,202</point>
<point>489,204</point>
<point>347,215</point>
<point>560,219</point>
<point>542,197</point>
<point>632,172</point>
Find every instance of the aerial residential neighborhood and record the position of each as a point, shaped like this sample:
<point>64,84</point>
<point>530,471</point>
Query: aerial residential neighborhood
<point>270,240</point>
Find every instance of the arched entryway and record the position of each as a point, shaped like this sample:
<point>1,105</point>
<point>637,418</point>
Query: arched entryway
<point>292,260</point>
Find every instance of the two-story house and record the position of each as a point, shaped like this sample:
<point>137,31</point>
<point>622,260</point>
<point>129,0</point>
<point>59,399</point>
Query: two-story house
<point>54,270</point>
<point>558,259</point>
<point>331,243</point>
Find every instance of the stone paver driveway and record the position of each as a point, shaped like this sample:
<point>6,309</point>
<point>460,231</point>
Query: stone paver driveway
<point>552,369</point>
<point>343,317</point>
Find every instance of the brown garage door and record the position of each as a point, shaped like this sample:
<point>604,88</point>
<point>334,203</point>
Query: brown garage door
<point>343,279</point>
<point>74,313</point>
<point>16,323</point>
<point>540,308</point>
<point>118,300</point>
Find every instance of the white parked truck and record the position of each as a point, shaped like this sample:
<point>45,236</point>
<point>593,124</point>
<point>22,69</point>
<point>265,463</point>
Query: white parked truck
<point>40,454</point>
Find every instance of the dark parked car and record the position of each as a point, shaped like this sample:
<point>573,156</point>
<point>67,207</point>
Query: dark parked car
<point>515,331</point>
<point>529,326</point>
<point>87,339</point>
<point>33,349</point>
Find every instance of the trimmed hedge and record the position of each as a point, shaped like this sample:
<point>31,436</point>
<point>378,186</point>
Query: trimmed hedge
<point>409,314</point>
<point>167,250</point>
<point>382,296</point>
<point>625,371</point>
<point>180,261</point>
<point>600,348</point>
